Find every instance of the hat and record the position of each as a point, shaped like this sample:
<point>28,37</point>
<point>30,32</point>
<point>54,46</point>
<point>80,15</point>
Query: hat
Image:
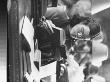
<point>80,31</point>
<point>95,29</point>
<point>99,37</point>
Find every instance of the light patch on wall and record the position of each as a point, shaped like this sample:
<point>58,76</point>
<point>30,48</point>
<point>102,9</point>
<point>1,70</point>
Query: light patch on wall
<point>100,8</point>
<point>3,74</point>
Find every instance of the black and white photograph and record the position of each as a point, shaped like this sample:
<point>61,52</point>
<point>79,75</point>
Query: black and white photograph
<point>57,41</point>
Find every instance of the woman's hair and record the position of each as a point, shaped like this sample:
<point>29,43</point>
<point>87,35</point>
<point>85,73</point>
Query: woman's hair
<point>90,69</point>
<point>76,19</point>
<point>93,69</point>
<point>93,25</point>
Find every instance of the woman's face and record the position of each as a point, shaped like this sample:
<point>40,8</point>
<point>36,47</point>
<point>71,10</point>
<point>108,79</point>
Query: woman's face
<point>81,51</point>
<point>80,31</point>
<point>82,46</point>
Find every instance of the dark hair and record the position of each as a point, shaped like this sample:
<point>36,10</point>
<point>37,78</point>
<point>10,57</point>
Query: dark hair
<point>76,19</point>
<point>93,69</point>
<point>90,69</point>
<point>94,29</point>
<point>94,26</point>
